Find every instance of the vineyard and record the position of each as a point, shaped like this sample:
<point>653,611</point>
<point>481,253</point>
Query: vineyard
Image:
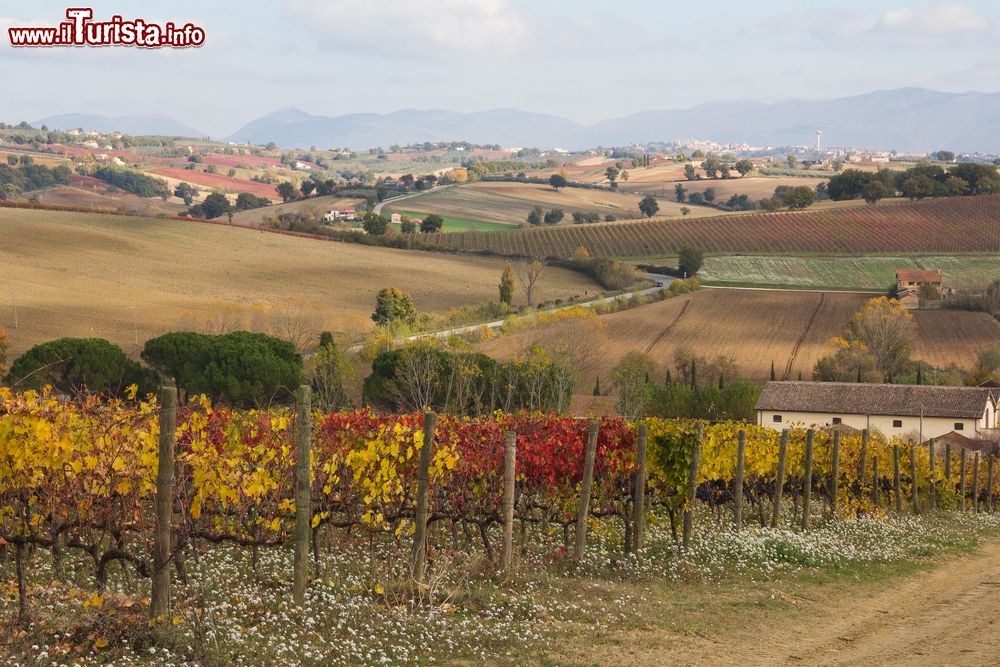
<point>141,484</point>
<point>962,224</point>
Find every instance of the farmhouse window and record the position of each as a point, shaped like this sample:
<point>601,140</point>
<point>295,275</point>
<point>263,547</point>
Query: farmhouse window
<point>959,426</point>
<point>897,423</point>
<point>836,420</point>
<point>776,418</point>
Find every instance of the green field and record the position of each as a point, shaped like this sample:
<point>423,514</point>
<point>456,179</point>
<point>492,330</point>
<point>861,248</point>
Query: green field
<point>464,224</point>
<point>846,273</point>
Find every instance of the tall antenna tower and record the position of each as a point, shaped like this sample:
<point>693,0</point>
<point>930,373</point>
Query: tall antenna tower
<point>819,133</point>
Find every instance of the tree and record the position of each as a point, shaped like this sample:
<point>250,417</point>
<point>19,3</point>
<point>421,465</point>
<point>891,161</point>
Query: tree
<point>528,274</point>
<point>612,174</point>
<point>407,225</point>
<point>648,206</point>
<point>799,197</point>
<point>73,365</point>
<point>873,191</point>
<point>711,165</point>
<point>689,260</point>
<point>884,328</point>
<point>680,194</point>
<point>306,187</point>
<point>554,216</point>
<point>535,215</point>
<point>989,360</point>
<point>852,362</point>
<point>792,162</point>
<point>238,368</point>
<point>287,192</point>
<point>215,204</point>
<point>394,306</point>
<point>186,192</point>
<point>944,156</point>
<point>631,381</point>
<point>689,172</point>
<point>329,371</point>
<point>246,201</point>
<point>507,285</point>
<point>597,386</point>
<point>4,346</point>
<point>557,181</point>
<point>431,223</point>
<point>374,224</point>
<point>709,195</point>
<point>744,167</point>
<point>685,210</point>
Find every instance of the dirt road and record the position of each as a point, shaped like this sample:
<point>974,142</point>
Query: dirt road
<point>949,615</point>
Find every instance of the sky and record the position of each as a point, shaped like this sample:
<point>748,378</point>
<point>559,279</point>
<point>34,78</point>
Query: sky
<point>579,59</point>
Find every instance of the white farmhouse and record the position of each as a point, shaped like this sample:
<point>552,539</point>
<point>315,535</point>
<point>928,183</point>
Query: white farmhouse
<point>892,409</point>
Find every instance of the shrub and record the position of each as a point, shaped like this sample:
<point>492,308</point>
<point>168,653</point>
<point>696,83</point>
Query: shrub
<point>79,364</point>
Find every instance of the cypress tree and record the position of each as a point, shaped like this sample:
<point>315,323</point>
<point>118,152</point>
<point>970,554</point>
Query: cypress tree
<point>800,376</point>
<point>668,380</point>
<point>597,387</point>
<point>722,381</point>
<point>920,375</point>
<point>694,374</point>
<point>774,376</point>
<point>859,375</point>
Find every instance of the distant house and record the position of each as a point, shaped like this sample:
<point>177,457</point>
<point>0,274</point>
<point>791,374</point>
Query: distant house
<point>396,218</point>
<point>916,278</point>
<point>390,183</point>
<point>340,214</point>
<point>301,166</point>
<point>892,409</point>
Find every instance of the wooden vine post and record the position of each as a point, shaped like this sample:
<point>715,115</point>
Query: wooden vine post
<point>509,472</point>
<point>862,464</point>
<point>779,479</point>
<point>947,463</point>
<point>807,479</point>
<point>303,500</point>
<point>897,487</point>
<point>975,483</point>
<point>932,481</point>
<point>961,479</point>
<point>835,471</point>
<point>875,480</point>
<point>741,462</point>
<point>989,482</point>
<point>914,486</point>
<point>159,604</point>
<point>423,500</point>
<point>639,489</point>
<point>583,511</point>
<point>692,489</point>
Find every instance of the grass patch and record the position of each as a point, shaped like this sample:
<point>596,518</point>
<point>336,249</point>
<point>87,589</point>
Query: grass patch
<point>452,224</point>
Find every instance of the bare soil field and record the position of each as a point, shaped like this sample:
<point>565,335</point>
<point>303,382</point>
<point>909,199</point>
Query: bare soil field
<point>756,187</point>
<point>758,327</point>
<point>313,205</point>
<point>510,203</point>
<point>82,274</point>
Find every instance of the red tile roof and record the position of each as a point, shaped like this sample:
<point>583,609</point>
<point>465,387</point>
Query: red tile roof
<point>918,276</point>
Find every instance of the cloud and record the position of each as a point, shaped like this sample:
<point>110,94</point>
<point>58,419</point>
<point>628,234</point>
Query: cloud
<point>903,27</point>
<point>413,26</point>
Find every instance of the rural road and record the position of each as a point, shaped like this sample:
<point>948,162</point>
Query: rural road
<point>496,324</point>
<point>949,615</point>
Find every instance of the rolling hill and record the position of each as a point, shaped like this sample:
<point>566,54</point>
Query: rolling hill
<point>155,124</point>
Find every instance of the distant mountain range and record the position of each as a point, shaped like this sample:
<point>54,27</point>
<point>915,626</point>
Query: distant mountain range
<point>906,119</point>
<point>137,124</point>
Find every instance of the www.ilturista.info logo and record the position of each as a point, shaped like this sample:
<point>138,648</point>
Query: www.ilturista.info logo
<point>81,30</point>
